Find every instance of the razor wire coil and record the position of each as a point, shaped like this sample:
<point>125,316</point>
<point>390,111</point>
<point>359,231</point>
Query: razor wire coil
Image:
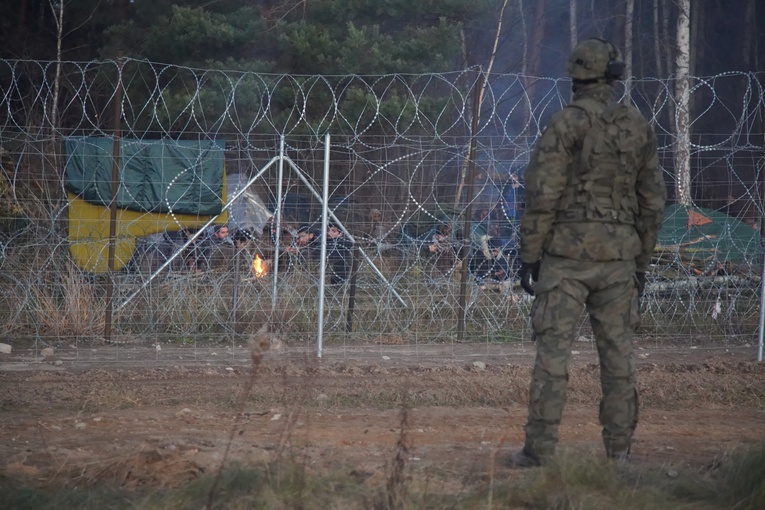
<point>399,144</point>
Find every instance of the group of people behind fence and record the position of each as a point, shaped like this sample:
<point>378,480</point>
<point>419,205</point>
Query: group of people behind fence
<point>198,250</point>
<point>339,251</point>
<point>491,256</point>
<point>301,248</point>
<point>193,251</point>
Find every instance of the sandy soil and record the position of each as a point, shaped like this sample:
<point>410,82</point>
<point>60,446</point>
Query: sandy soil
<point>151,420</point>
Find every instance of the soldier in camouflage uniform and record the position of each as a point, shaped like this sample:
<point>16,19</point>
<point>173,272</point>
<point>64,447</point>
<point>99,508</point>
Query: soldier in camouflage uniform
<point>595,199</point>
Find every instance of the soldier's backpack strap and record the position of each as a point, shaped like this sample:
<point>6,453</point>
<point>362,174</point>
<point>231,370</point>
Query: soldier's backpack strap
<point>588,197</point>
<point>599,121</point>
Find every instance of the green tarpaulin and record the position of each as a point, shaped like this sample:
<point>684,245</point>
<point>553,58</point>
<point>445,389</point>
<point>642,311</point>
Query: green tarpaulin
<point>704,236</point>
<point>160,176</point>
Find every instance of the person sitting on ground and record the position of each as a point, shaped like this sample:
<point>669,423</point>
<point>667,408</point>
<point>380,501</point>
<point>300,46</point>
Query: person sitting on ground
<point>441,241</point>
<point>307,243</point>
<point>490,264</point>
<point>339,250</point>
<point>339,255</point>
<point>211,243</point>
<point>192,253</point>
<point>376,230</point>
<point>442,251</point>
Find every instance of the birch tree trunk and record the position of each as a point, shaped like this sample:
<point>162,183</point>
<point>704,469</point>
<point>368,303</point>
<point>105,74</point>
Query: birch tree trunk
<point>682,154</point>
<point>628,17</point>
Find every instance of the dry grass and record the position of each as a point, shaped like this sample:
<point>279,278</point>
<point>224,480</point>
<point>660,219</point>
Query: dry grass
<point>69,306</point>
<point>48,296</point>
<point>574,480</point>
<point>577,480</point>
<point>739,481</point>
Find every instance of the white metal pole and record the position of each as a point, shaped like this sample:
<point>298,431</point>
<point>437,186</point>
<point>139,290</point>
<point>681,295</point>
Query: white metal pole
<point>339,223</point>
<point>278,223</point>
<point>323,263</point>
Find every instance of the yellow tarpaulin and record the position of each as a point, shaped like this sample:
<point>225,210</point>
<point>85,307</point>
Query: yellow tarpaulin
<point>89,231</point>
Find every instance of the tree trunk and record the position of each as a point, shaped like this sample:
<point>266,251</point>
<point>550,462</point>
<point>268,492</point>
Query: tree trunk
<point>531,56</point>
<point>628,17</point>
<point>667,41</point>
<point>682,94</point>
<point>539,35</point>
<point>525,37</point>
<point>59,18</point>
<point>657,40</point>
<point>696,35</point>
<point>573,32</point>
<point>463,47</point>
<point>747,42</point>
<point>21,29</point>
<point>479,102</point>
<point>572,29</point>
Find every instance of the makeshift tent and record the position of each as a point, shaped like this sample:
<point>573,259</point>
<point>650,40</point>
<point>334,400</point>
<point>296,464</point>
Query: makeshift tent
<point>248,212</point>
<point>164,185</point>
<point>704,239</point>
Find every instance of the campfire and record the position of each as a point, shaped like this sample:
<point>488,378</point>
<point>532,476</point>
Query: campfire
<point>259,267</point>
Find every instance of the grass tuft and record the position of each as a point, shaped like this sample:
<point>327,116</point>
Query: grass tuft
<point>740,479</point>
<point>576,480</point>
<point>573,480</point>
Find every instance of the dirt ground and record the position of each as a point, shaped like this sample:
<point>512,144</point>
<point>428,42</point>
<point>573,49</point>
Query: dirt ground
<point>142,418</point>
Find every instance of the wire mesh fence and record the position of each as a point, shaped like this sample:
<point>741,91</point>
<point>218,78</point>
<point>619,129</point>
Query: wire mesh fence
<point>424,249</point>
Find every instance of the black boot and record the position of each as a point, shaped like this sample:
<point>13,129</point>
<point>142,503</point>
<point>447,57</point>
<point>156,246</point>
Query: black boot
<point>522,459</point>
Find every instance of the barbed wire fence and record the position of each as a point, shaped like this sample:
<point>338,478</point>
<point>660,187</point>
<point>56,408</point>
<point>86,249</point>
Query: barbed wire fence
<point>385,158</point>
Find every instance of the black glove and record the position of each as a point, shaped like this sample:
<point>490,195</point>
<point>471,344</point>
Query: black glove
<point>640,278</point>
<point>529,273</point>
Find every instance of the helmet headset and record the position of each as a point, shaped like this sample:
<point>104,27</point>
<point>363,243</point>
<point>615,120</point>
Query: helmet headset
<point>595,59</point>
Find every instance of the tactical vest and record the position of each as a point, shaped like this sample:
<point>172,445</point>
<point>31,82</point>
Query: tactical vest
<point>601,186</point>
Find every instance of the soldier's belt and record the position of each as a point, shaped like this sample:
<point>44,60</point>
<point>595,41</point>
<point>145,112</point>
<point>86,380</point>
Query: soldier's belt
<point>583,215</point>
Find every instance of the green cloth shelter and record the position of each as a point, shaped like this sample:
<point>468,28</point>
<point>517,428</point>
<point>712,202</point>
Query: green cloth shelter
<point>157,176</point>
<point>703,236</point>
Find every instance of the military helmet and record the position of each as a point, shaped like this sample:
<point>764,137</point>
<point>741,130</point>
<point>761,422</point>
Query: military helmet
<point>595,59</point>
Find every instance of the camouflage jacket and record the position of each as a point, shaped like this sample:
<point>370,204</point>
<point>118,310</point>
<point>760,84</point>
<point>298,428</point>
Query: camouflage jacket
<point>551,173</point>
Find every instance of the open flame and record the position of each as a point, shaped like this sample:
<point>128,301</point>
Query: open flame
<point>259,267</point>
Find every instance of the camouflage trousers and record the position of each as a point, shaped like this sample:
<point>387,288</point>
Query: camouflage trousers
<point>608,290</point>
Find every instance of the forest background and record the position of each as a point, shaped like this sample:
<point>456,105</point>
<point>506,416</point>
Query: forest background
<point>675,40</point>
